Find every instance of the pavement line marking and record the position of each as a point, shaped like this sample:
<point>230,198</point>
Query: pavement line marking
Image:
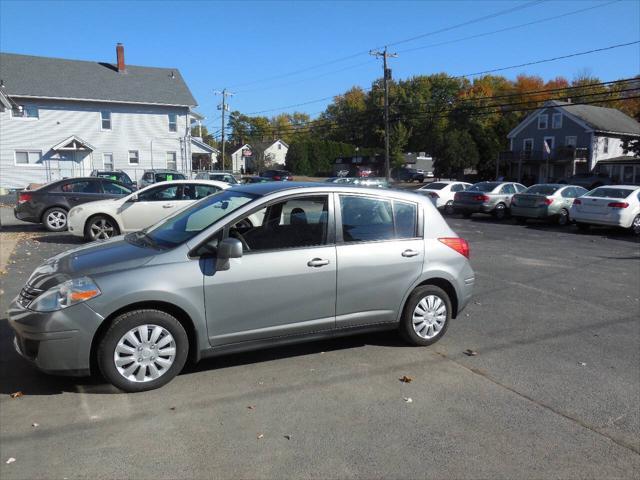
<point>567,416</point>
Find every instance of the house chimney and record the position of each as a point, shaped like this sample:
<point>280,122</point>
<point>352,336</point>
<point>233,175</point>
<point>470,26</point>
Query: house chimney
<point>120,55</point>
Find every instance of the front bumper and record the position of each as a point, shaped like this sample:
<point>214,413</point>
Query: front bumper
<point>55,342</point>
<point>75,224</point>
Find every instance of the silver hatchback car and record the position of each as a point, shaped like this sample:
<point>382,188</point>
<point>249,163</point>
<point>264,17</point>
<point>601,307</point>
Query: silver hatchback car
<point>253,266</point>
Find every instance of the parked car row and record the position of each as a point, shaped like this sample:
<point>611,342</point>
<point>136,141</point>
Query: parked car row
<point>612,205</point>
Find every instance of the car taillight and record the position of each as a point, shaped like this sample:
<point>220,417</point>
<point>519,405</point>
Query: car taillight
<point>577,201</point>
<point>548,201</point>
<point>460,245</point>
<point>276,177</point>
<point>618,205</point>
<point>24,197</point>
<point>482,198</point>
<point>434,195</point>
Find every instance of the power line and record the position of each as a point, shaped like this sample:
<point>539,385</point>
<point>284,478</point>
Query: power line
<point>357,54</point>
<point>577,54</point>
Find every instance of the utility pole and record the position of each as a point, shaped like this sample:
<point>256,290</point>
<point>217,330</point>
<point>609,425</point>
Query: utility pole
<point>387,76</point>
<point>225,108</point>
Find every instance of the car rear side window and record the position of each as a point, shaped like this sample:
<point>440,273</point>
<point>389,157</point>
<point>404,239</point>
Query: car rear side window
<point>115,189</point>
<point>81,187</point>
<point>406,219</point>
<point>366,219</point>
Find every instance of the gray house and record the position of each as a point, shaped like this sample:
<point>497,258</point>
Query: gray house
<point>63,118</point>
<point>561,139</point>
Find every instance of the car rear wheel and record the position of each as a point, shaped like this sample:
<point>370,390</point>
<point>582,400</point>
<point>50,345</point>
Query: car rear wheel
<point>143,350</point>
<point>563,217</point>
<point>500,211</point>
<point>635,225</point>
<point>100,227</point>
<point>426,315</point>
<point>448,207</point>
<point>55,219</point>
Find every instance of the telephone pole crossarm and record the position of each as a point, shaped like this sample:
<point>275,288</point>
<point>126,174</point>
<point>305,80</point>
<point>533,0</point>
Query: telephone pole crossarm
<point>385,79</point>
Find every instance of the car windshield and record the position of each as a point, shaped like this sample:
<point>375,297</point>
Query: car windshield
<point>483,187</point>
<point>434,186</point>
<point>188,223</point>
<point>609,192</point>
<point>168,176</point>
<point>542,189</point>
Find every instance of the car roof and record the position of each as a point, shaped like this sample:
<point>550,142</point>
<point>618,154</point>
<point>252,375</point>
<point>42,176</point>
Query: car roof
<point>162,170</point>
<point>214,183</point>
<point>625,187</point>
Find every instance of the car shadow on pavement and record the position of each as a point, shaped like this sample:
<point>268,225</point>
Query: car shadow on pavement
<point>603,232</point>
<point>60,239</point>
<point>22,228</point>
<point>18,375</point>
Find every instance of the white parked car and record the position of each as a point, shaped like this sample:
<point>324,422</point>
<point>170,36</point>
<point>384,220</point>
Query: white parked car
<point>107,218</point>
<point>612,205</point>
<point>442,193</point>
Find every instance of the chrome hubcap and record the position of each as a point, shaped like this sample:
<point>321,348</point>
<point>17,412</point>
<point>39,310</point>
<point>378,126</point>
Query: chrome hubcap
<point>101,229</point>
<point>57,219</point>
<point>636,224</point>
<point>429,316</point>
<point>145,353</point>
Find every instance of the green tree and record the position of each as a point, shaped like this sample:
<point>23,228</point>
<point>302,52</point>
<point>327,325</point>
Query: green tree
<point>460,152</point>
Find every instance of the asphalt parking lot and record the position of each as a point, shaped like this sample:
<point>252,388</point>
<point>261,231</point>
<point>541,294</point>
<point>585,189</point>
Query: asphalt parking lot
<point>553,392</point>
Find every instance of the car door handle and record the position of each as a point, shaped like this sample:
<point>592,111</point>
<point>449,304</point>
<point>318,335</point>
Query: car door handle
<point>317,262</point>
<point>168,205</point>
<point>410,253</point>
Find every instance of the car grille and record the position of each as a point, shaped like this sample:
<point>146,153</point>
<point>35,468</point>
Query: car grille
<point>27,294</point>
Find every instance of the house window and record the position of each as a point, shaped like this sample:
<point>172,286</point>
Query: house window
<point>527,145</point>
<point>556,120</point>
<point>172,164</point>
<point>28,157</point>
<point>279,146</point>
<point>543,121</point>
<point>107,161</point>
<point>105,116</point>
<point>605,145</point>
<point>134,157</point>
<point>173,122</point>
<point>571,141</point>
<point>25,111</point>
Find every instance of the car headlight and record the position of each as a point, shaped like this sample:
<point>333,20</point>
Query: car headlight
<point>66,294</point>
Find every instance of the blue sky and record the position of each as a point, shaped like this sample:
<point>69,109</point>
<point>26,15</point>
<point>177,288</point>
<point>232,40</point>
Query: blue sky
<point>238,44</point>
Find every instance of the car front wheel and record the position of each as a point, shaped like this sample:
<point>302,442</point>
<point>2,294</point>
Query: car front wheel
<point>55,219</point>
<point>100,227</point>
<point>563,217</point>
<point>143,350</point>
<point>426,315</point>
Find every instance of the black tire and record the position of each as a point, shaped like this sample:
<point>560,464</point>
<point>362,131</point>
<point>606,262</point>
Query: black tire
<point>128,321</point>
<point>406,323</point>
<point>55,219</point>
<point>107,226</point>
<point>635,225</point>
<point>500,211</point>
<point>448,208</point>
<point>563,217</point>
<point>583,227</point>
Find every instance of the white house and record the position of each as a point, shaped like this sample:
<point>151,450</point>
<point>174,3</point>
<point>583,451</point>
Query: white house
<point>245,157</point>
<point>64,118</point>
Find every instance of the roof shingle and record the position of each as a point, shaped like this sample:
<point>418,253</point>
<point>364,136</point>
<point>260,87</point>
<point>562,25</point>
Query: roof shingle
<point>601,118</point>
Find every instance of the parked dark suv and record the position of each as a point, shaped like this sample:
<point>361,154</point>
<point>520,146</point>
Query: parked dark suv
<point>159,175</point>
<point>117,175</point>
<point>50,203</point>
<point>588,180</point>
<point>407,175</point>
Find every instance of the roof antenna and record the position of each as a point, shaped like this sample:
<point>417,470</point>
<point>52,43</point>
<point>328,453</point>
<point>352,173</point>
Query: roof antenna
<point>173,75</point>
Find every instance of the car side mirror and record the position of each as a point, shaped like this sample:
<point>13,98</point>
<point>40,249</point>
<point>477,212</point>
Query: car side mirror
<point>133,198</point>
<point>226,249</point>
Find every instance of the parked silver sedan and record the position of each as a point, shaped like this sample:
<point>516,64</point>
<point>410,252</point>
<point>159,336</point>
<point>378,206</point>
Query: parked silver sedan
<point>493,198</point>
<point>316,261</point>
<point>545,201</point>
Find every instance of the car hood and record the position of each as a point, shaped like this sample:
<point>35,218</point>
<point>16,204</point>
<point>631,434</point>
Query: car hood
<point>92,259</point>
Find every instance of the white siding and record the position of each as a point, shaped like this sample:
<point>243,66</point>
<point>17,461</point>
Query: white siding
<point>133,127</point>
<point>275,155</point>
<point>614,150</point>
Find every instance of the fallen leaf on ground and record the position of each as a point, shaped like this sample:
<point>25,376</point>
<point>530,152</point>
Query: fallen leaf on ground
<point>470,353</point>
<point>35,425</point>
<point>17,394</point>
<point>260,435</point>
<point>582,364</point>
<point>288,437</point>
<point>251,407</point>
<point>405,379</point>
<point>408,399</point>
<point>172,408</point>
<point>11,460</point>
